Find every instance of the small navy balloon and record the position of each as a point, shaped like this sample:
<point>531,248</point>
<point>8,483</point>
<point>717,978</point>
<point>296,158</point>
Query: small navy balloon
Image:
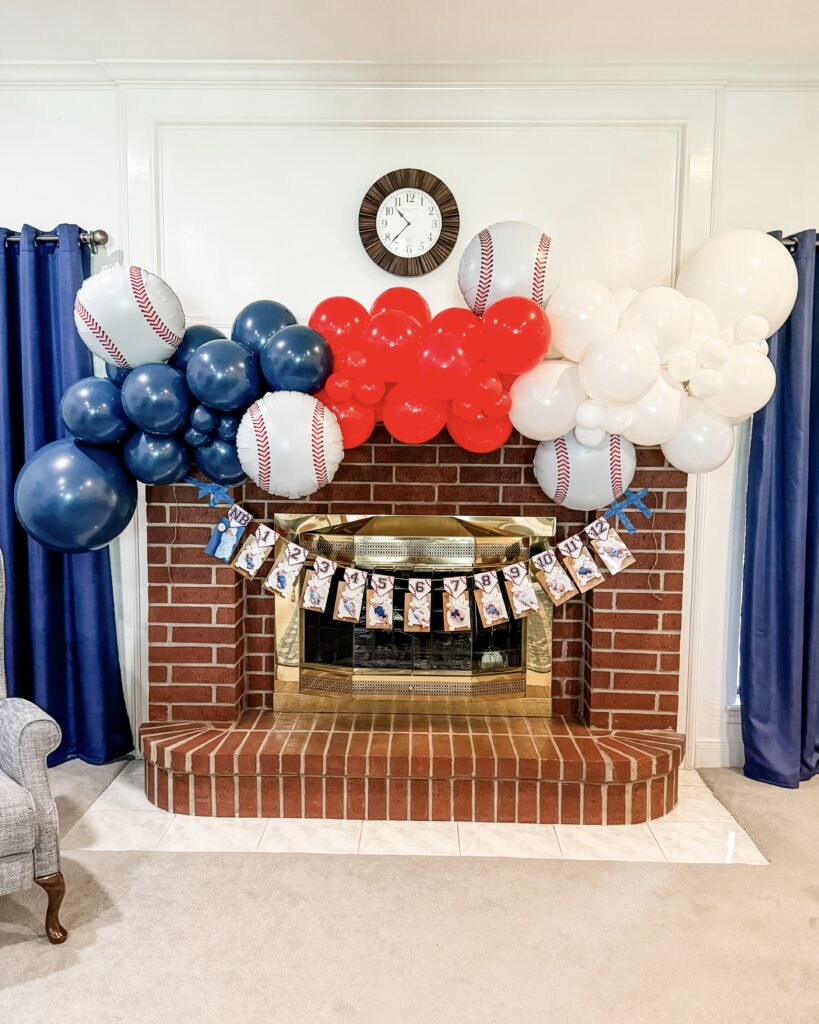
<point>74,497</point>
<point>157,458</point>
<point>227,427</point>
<point>219,462</point>
<point>203,419</point>
<point>156,398</point>
<point>224,375</point>
<point>297,358</point>
<point>91,409</point>
<point>195,437</point>
<point>193,340</point>
<point>116,374</point>
<point>258,322</point>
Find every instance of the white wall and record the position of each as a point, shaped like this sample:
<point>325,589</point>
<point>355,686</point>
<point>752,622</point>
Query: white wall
<point>239,189</point>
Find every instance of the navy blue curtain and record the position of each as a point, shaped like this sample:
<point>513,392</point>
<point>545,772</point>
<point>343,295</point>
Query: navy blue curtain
<point>779,626</point>
<point>60,632</point>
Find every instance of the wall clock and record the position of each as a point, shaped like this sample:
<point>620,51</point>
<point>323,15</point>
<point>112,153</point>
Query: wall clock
<point>408,222</point>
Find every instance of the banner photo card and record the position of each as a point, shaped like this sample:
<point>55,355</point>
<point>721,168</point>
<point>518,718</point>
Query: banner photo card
<point>520,589</point>
<point>255,550</point>
<point>379,601</point>
<point>456,605</point>
<point>317,585</point>
<point>580,563</point>
<point>227,533</point>
<point>418,606</point>
<point>488,598</point>
<point>350,596</point>
<point>286,570</point>
<point>553,577</point>
<point>609,545</point>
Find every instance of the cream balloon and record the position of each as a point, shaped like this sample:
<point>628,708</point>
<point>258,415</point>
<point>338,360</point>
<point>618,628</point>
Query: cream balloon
<point>619,367</point>
<point>578,314</point>
<point>657,415</point>
<point>705,383</point>
<point>740,273</point>
<point>713,353</point>
<point>705,319</point>
<point>618,418</point>
<point>702,442</point>
<point>623,296</point>
<point>665,315</point>
<point>748,381</point>
<point>752,328</point>
<point>590,437</point>
<point>545,400</point>
<point>682,364</point>
<point>590,415</point>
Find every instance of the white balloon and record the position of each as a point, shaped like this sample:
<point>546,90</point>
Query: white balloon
<point>682,364</point>
<point>713,353</point>
<point>705,383</point>
<point>590,438</point>
<point>618,419</point>
<point>623,296</point>
<point>545,400</point>
<point>619,367</point>
<point>703,441</point>
<point>760,346</point>
<point>657,415</point>
<point>590,415</point>
<point>508,258</point>
<point>665,315</point>
<point>705,319</point>
<point>289,444</point>
<point>740,273</point>
<point>748,381</point>
<point>584,478</point>
<point>128,317</point>
<point>752,328</point>
<point>727,335</point>
<point>578,314</point>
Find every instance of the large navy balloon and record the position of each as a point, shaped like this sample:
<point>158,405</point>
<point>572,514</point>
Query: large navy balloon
<point>258,322</point>
<point>203,419</point>
<point>195,437</point>
<point>74,497</point>
<point>92,410</point>
<point>193,340</point>
<point>156,398</point>
<point>224,375</point>
<point>297,358</point>
<point>117,374</point>
<point>219,461</point>
<point>156,458</point>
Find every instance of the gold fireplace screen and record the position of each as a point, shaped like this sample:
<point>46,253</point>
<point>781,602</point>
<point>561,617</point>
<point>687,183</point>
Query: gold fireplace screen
<point>325,665</point>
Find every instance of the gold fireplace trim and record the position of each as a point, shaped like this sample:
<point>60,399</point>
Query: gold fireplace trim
<point>418,543</point>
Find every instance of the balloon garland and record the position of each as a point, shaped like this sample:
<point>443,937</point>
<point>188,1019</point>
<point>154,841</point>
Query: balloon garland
<point>585,371</point>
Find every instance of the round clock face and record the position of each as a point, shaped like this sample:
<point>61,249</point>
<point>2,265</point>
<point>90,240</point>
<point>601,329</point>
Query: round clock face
<point>408,222</point>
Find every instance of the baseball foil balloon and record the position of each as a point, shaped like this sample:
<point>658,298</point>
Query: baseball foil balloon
<point>128,317</point>
<point>585,478</point>
<point>508,258</point>
<point>289,444</point>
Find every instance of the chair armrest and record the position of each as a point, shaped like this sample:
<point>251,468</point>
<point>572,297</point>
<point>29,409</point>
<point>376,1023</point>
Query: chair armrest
<point>27,737</point>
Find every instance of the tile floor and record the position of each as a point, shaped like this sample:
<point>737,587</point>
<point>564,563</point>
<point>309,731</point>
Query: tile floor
<point>700,830</point>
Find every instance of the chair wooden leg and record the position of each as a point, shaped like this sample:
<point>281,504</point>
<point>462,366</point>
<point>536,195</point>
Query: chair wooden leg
<point>54,888</point>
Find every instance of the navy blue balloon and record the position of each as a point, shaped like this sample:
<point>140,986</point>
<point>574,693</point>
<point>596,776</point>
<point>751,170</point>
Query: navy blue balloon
<point>218,461</point>
<point>156,398</point>
<point>297,358</point>
<point>74,497</point>
<point>116,374</point>
<point>193,340</point>
<point>195,437</point>
<point>227,427</point>
<point>224,375</point>
<point>92,410</point>
<point>258,322</point>
<point>203,419</point>
<point>157,458</point>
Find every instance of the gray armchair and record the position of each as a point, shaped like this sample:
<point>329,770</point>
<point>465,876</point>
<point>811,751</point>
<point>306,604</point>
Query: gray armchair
<point>29,837</point>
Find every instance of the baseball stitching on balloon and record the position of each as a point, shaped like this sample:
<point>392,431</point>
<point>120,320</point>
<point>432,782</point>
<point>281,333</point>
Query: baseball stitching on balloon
<point>485,277</point>
<point>152,318</point>
<point>615,466</point>
<point>101,336</point>
<point>563,470</point>
<point>540,268</point>
<point>317,444</point>
<point>262,446</point>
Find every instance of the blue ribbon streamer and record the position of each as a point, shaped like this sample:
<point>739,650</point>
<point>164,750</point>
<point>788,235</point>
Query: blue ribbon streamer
<point>215,493</point>
<point>631,499</point>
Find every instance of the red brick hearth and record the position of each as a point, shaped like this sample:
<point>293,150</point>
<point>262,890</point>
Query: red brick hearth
<point>211,749</point>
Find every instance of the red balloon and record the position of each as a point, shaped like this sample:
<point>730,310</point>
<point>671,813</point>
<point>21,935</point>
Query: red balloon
<point>354,364</point>
<point>517,334</point>
<point>357,421</point>
<point>390,342</point>
<point>339,387</point>
<point>508,379</point>
<point>490,388</point>
<point>369,390</point>
<point>442,368</point>
<point>466,408</point>
<point>340,321</point>
<point>483,434</point>
<point>404,300</point>
<point>498,406</point>
<point>455,320</point>
<point>411,416</point>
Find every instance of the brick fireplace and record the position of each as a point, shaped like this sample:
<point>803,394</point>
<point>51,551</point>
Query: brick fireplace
<point>216,744</point>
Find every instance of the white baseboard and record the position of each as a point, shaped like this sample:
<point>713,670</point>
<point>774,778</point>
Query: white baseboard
<point>719,753</point>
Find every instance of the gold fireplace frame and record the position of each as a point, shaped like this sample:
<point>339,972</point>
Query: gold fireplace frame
<point>450,543</point>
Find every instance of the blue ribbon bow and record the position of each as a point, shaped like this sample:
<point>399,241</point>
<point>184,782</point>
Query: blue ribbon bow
<point>631,499</point>
<point>215,493</point>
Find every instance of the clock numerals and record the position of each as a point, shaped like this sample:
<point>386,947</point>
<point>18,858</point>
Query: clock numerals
<point>408,223</point>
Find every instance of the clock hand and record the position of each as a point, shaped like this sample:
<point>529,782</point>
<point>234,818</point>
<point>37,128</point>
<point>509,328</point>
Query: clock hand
<point>403,229</point>
<point>401,215</point>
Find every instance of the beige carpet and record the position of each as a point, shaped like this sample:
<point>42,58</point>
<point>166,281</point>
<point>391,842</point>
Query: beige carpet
<point>291,939</point>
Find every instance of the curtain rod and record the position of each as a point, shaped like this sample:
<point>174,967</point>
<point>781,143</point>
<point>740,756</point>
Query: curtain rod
<point>791,243</point>
<point>94,238</point>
